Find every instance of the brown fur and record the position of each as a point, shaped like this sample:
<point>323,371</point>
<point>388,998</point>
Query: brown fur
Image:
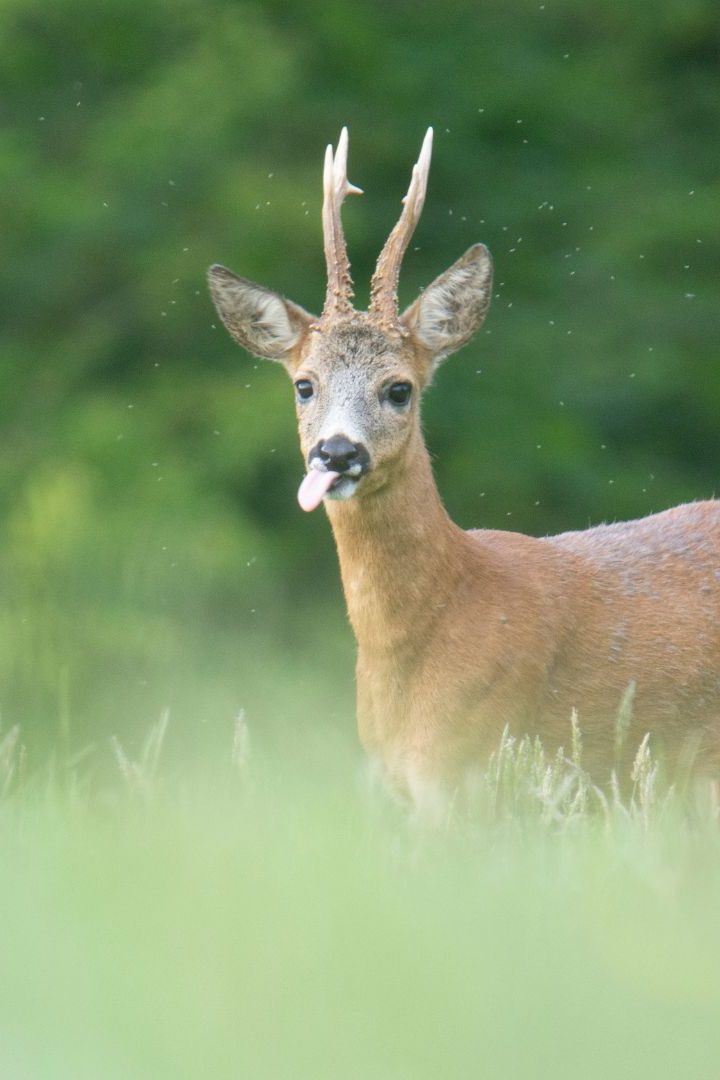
<point>461,634</point>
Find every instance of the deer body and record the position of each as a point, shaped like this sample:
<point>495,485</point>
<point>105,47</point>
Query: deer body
<point>483,630</point>
<point>462,634</point>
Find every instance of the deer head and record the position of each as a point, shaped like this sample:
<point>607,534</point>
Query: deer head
<point>359,375</point>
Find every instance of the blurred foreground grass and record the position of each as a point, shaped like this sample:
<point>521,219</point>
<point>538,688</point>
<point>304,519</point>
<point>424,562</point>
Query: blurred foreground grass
<point>257,914</point>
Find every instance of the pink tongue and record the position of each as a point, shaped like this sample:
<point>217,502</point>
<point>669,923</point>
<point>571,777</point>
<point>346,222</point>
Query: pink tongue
<point>313,488</point>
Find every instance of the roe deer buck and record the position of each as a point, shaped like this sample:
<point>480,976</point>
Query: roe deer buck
<point>461,634</point>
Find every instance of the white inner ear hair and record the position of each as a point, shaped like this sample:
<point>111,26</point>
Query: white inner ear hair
<point>448,305</point>
<point>268,322</point>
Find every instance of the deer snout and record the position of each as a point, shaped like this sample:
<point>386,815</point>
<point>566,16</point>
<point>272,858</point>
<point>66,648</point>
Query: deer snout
<point>340,455</point>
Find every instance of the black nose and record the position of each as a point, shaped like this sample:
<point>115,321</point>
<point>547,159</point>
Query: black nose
<point>338,454</point>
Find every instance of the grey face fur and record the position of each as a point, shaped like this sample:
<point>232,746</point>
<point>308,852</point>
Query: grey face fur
<point>351,363</point>
<point>352,367</point>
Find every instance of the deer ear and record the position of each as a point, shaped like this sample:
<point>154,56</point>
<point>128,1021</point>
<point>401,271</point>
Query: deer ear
<point>446,315</point>
<point>261,320</point>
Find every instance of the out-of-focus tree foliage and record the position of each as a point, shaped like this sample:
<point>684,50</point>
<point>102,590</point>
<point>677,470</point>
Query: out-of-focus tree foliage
<point>153,552</point>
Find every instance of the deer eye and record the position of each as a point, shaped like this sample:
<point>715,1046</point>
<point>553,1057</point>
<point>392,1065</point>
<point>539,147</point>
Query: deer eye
<point>304,389</point>
<point>399,393</point>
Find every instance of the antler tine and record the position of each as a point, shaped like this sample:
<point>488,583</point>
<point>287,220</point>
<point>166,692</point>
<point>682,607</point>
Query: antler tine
<point>384,285</point>
<point>338,300</point>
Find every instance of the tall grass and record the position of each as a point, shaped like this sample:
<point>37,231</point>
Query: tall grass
<point>264,915</point>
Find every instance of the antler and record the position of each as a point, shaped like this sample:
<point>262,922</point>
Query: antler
<point>338,299</point>
<point>383,288</point>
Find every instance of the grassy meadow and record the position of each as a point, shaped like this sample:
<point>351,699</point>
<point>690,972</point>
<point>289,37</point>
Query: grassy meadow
<point>266,915</point>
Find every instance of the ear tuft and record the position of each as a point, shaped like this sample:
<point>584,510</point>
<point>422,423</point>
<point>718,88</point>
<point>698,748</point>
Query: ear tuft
<point>260,320</point>
<point>447,314</point>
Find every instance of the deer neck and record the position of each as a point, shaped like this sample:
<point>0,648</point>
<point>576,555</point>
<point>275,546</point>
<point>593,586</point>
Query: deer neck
<point>399,556</point>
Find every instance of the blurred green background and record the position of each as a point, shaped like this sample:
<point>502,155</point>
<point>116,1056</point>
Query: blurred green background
<point>153,554</point>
